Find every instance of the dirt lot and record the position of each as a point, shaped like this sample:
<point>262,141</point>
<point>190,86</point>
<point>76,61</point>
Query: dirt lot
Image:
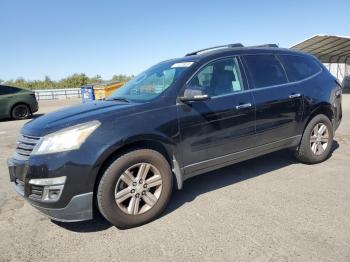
<point>267,209</point>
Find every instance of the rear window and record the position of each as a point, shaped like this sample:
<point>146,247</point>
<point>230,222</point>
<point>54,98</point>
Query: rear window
<point>299,67</point>
<point>265,70</point>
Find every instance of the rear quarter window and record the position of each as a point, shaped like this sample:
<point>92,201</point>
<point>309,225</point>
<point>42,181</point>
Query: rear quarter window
<point>299,67</point>
<point>6,90</point>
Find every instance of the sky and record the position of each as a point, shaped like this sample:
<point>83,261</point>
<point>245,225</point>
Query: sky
<point>57,38</point>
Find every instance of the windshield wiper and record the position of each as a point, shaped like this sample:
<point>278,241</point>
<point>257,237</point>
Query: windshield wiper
<point>122,99</point>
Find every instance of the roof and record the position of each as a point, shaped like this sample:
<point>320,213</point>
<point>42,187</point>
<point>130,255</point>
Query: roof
<point>327,48</point>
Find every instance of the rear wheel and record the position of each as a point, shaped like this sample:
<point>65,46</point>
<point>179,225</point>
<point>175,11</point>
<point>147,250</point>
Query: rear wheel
<point>135,188</point>
<point>317,140</point>
<point>20,111</point>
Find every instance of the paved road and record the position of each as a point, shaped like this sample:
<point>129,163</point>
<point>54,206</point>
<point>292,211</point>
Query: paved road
<point>267,209</point>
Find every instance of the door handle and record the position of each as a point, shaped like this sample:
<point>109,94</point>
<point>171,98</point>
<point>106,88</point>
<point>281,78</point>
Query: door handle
<point>247,105</point>
<point>295,95</point>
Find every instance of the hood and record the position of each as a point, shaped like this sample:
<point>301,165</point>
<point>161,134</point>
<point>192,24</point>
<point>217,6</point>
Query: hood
<point>98,110</point>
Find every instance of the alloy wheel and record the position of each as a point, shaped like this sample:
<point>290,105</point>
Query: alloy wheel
<point>21,111</point>
<point>138,189</point>
<point>319,139</point>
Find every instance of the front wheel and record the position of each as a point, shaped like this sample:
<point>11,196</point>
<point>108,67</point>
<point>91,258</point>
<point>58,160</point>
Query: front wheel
<point>317,140</point>
<point>135,188</point>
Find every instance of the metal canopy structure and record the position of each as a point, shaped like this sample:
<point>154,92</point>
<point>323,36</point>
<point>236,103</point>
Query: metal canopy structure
<point>327,48</point>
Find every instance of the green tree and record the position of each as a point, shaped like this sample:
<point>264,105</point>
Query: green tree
<point>95,79</point>
<point>121,78</point>
<point>75,80</point>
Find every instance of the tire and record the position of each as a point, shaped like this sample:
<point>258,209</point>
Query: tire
<point>112,185</point>
<point>20,111</point>
<point>305,152</point>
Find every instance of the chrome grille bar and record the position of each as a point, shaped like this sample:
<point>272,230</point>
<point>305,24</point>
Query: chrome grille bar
<point>25,146</point>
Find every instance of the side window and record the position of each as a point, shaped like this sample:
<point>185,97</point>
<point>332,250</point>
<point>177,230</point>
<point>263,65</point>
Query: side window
<point>218,78</point>
<point>6,90</point>
<point>298,67</point>
<point>2,90</point>
<point>265,70</point>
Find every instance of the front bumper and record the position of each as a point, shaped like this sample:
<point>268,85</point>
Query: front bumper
<point>35,107</point>
<point>338,117</point>
<point>75,200</point>
<point>78,209</point>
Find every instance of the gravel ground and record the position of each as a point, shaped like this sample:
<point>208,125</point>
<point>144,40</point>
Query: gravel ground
<point>271,208</point>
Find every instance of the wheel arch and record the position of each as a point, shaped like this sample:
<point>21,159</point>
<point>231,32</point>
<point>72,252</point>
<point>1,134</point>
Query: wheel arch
<point>19,103</point>
<point>322,108</point>
<point>150,142</point>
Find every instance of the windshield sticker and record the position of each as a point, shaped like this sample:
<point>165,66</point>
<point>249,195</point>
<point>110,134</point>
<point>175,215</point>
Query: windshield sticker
<point>183,64</point>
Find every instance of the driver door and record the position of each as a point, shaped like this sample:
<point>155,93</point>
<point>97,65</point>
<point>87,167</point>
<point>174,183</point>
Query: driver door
<point>212,131</point>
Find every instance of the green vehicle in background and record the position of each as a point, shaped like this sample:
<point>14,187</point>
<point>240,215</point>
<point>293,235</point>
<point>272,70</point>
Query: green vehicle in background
<point>17,103</point>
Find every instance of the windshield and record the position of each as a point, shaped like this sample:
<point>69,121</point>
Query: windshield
<point>151,83</point>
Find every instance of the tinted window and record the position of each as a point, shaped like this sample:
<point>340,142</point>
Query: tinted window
<point>265,70</point>
<point>298,67</point>
<point>5,90</point>
<point>218,78</point>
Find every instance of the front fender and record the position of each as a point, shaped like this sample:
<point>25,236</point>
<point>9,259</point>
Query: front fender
<point>111,151</point>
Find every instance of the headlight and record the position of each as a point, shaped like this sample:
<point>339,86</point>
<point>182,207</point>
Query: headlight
<point>66,139</point>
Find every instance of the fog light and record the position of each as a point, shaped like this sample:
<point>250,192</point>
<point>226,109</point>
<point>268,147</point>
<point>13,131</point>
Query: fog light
<point>52,193</point>
<point>51,189</point>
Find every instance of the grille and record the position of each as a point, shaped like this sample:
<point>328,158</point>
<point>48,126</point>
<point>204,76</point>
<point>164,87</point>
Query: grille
<point>36,192</point>
<point>25,146</point>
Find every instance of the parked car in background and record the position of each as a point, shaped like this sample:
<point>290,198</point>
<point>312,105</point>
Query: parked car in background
<point>17,103</point>
<point>180,118</point>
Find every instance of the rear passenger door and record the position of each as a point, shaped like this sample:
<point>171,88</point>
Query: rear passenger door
<point>279,103</point>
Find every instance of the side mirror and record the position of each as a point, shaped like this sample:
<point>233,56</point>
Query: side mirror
<point>194,95</point>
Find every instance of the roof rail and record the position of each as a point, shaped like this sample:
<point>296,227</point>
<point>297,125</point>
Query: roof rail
<point>265,45</point>
<point>215,47</point>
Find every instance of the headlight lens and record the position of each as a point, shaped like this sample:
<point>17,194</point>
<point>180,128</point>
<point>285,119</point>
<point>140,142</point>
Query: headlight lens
<point>66,139</point>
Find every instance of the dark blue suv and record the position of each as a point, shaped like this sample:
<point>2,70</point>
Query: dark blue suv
<point>180,118</point>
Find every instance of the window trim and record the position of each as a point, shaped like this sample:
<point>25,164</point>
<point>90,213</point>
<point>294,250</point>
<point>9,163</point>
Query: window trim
<point>246,85</point>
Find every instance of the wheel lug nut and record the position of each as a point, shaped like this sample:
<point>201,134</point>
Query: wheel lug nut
<point>145,186</point>
<point>137,195</point>
<point>140,181</point>
<point>132,191</point>
<point>134,183</point>
<point>143,192</point>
